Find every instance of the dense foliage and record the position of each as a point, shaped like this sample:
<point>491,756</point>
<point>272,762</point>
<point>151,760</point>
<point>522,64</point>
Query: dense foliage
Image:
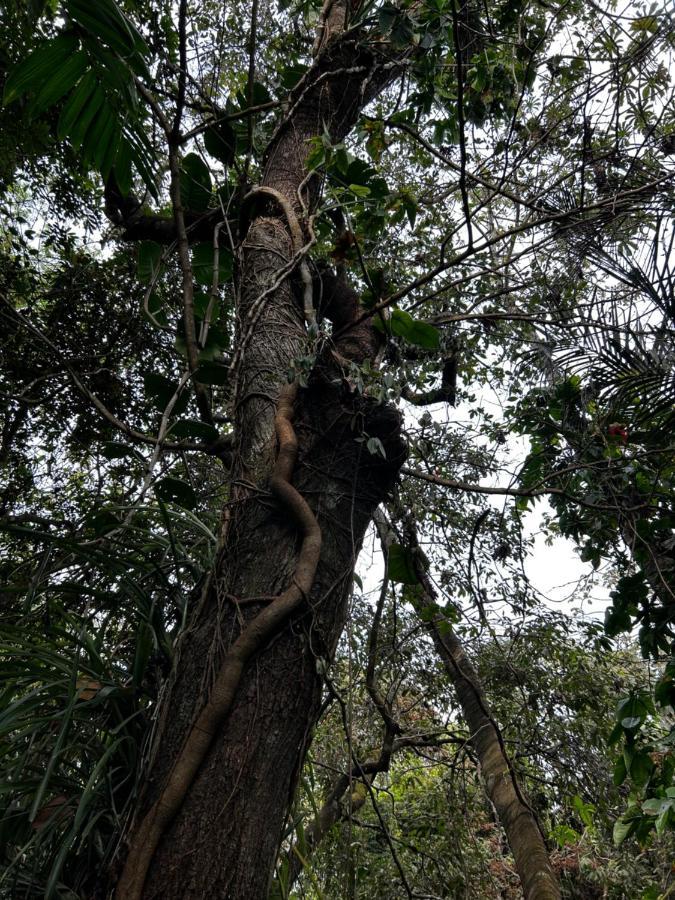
<point>504,211</point>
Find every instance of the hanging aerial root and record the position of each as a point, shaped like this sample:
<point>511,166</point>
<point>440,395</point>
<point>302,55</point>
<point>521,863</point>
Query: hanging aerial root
<point>257,632</point>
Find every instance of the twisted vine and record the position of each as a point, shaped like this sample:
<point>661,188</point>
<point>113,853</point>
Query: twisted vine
<point>250,641</point>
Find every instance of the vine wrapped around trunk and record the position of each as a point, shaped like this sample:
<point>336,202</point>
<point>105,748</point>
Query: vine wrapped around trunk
<point>253,637</point>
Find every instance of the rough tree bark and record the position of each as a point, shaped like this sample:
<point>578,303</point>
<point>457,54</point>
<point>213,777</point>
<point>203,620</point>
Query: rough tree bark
<point>222,834</point>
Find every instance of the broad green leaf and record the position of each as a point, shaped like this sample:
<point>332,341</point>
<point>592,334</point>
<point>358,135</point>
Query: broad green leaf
<point>155,313</point>
<point>424,335</point>
<point>148,260</point>
<point>400,565</point>
<point>641,768</point>
<point>104,521</point>
<point>221,141</point>
<point>664,817</point>
<point>193,428</point>
<point>633,710</point>
<point>585,810</point>
<point>630,722</point>
<point>74,105</point>
<point>202,263</point>
<point>619,775</point>
<point>161,389</point>
<point>173,490</point>
<point>564,835</point>
<point>201,303</point>
<point>101,139</point>
<point>39,68</point>
<point>260,95</point>
<point>652,807</point>
<point>617,621</point>
<point>61,81</point>
<point>105,20</point>
<point>292,74</point>
<point>122,167</point>
<point>360,190</point>
<point>116,450</point>
<point>212,373</point>
<point>81,125</point>
<point>416,332</point>
<point>622,830</point>
<point>195,183</point>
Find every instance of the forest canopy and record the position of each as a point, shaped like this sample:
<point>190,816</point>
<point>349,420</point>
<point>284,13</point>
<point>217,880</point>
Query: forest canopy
<point>316,322</point>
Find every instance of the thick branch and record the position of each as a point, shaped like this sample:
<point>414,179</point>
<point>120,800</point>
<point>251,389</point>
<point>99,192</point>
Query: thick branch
<point>446,393</point>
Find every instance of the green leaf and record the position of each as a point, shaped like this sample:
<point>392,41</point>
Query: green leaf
<point>221,142</point>
<point>148,260</point>
<point>173,490</point>
<point>105,20</point>
<point>144,647</point>
<point>360,190</point>
<point>663,818</point>
<point>424,335</point>
<point>620,772</point>
<point>375,447</point>
<point>641,768</point>
<point>652,807</point>
<point>202,263</point>
<point>143,158</point>
<point>122,166</point>
<point>155,313</point>
<point>664,691</point>
<point>75,104</point>
<point>38,69</point>
<point>585,810</point>
<point>161,389</point>
<point>100,138</point>
<point>414,331</point>
<point>622,830</point>
<point>62,81</point>
<point>386,18</point>
<point>292,74</point>
<point>564,835</point>
<point>195,184</point>
<point>212,373</point>
<point>259,95</point>
<point>633,710</point>
<point>630,722</point>
<point>81,125</point>
<point>617,621</point>
<point>400,565</point>
<point>104,521</point>
<point>107,158</point>
<point>116,450</point>
<point>193,428</point>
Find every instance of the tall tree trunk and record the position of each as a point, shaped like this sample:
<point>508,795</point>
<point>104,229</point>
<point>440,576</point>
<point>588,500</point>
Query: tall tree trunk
<point>221,838</point>
<point>224,839</point>
<point>502,786</point>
